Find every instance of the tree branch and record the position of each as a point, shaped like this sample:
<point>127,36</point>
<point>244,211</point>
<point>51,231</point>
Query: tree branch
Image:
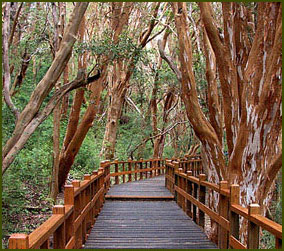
<point>6,66</point>
<point>80,81</point>
<point>169,60</point>
<point>14,25</point>
<point>152,24</point>
<point>158,135</point>
<point>130,101</point>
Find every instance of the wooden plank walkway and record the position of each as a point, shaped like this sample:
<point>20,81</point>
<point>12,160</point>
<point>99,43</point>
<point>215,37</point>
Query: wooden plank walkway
<point>151,188</point>
<point>143,223</point>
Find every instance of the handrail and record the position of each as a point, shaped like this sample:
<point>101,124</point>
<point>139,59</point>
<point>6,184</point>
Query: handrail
<point>69,223</point>
<point>135,170</point>
<point>190,192</point>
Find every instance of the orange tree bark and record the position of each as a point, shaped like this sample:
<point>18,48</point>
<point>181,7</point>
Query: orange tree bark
<point>56,112</point>
<point>250,77</point>
<point>203,129</point>
<point>122,75</point>
<point>69,152</point>
<point>158,150</point>
<point>28,119</point>
<point>214,106</point>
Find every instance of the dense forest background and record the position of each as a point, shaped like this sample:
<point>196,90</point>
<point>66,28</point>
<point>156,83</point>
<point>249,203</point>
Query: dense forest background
<point>154,85</point>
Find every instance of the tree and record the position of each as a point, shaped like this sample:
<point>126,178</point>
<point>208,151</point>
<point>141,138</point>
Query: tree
<point>76,132</point>
<point>122,73</point>
<point>250,77</point>
<point>30,118</point>
<point>249,63</point>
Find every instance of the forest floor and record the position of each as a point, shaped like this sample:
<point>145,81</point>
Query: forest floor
<point>26,219</point>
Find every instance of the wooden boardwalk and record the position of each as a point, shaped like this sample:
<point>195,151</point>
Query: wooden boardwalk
<point>134,216</point>
<point>152,189</point>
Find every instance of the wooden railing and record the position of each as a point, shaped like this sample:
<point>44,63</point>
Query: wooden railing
<point>133,170</point>
<point>191,193</point>
<point>70,224</point>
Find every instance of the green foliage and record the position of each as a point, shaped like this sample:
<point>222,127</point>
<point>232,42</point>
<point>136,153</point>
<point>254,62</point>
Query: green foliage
<point>125,47</point>
<point>267,239</point>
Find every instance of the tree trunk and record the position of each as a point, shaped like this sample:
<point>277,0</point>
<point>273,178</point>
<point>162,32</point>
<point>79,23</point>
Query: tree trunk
<point>203,129</point>
<point>30,112</point>
<point>5,61</point>
<point>114,113</point>
<point>68,154</point>
<point>257,142</point>
<point>122,75</point>
<point>56,112</point>
<point>21,75</point>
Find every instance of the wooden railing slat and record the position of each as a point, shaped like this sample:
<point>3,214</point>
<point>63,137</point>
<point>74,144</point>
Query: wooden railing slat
<point>240,210</point>
<point>135,171</point>
<point>71,243</point>
<point>269,225</point>
<point>39,236</point>
<point>223,222</point>
<point>236,244</point>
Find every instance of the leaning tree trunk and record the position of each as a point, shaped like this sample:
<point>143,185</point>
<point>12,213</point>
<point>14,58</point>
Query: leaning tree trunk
<point>121,79</point>
<point>114,113</point>
<point>56,111</point>
<point>70,150</point>
<point>30,118</point>
<point>252,115</point>
<point>203,129</point>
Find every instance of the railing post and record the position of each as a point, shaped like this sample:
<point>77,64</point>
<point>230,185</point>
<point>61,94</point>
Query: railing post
<point>223,206</point>
<point>116,171</point>
<point>194,207</point>
<point>102,184</point>
<point>129,169</point>
<point>88,198</point>
<point>166,174</point>
<point>78,205</point>
<point>180,180</point>
<point>135,169</point>
<point>151,166</point>
<point>96,207</point>
<point>108,174</point>
<point>189,191</point>
<point>106,167</point>
<point>59,236</point>
<point>141,167</point>
<point>19,241</point>
<point>234,218</point>
<point>146,166</point>
<point>123,169</point>
<point>176,182</point>
<point>201,198</point>
<point>69,200</point>
<point>253,229</point>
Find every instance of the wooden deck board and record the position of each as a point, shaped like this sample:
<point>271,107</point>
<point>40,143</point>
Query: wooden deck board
<point>152,187</point>
<point>145,224</point>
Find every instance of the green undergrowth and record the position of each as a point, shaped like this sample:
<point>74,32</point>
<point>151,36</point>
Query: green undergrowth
<point>267,239</point>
